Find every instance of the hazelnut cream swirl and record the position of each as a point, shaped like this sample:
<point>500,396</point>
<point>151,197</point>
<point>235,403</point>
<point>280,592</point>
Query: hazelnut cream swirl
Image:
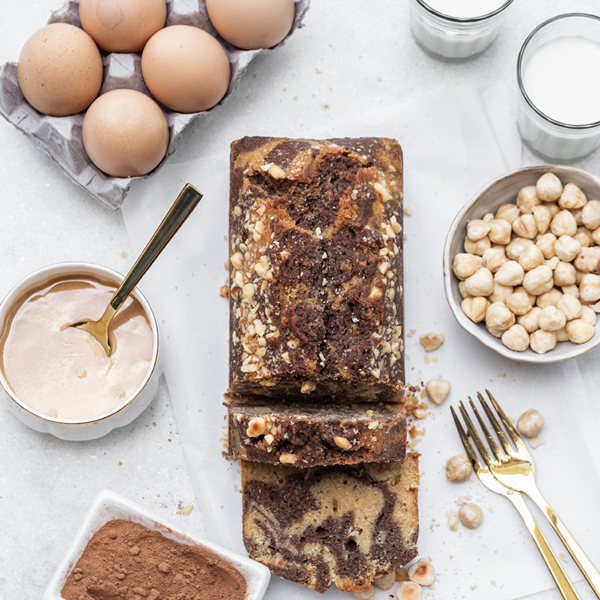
<point>63,372</point>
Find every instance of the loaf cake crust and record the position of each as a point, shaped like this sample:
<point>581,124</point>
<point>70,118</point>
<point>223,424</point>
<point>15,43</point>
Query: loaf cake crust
<point>311,434</point>
<point>316,269</point>
<point>342,525</point>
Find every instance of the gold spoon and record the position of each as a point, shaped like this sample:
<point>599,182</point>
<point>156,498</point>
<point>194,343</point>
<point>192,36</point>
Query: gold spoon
<point>182,208</point>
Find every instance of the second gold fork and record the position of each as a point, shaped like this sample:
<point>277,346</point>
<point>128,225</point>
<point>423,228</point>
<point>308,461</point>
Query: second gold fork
<point>563,583</point>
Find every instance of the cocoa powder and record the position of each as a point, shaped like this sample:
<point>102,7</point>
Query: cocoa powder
<point>126,561</point>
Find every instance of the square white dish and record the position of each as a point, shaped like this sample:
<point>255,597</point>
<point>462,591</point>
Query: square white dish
<point>110,505</point>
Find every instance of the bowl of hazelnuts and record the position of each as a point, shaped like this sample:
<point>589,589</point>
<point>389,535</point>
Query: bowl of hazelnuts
<point>522,264</point>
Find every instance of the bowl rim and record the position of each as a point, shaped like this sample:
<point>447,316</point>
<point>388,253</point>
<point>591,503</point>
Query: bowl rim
<point>79,268</point>
<point>472,328</point>
<point>103,509</point>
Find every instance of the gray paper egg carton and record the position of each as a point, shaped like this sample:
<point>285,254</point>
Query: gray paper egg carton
<point>61,136</point>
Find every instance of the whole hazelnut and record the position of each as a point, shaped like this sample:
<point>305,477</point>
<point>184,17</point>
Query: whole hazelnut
<point>437,390</point>
<point>548,187</point>
<point>458,468</point>
<point>530,423</point>
<point>470,515</point>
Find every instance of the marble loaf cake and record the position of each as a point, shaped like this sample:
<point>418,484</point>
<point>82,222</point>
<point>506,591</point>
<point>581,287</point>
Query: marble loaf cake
<point>316,269</point>
<point>342,525</point>
<point>311,434</point>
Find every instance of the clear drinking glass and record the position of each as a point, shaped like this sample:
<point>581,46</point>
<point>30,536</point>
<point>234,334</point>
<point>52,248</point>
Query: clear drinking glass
<point>548,137</point>
<point>454,37</point>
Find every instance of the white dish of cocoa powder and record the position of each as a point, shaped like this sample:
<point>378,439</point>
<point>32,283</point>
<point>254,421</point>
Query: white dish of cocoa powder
<point>109,506</point>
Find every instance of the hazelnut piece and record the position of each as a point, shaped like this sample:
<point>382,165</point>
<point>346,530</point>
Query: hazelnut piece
<point>422,572</point>
<point>408,590</point>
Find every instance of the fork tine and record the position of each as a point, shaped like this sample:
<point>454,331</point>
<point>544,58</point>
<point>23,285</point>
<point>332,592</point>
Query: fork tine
<point>465,442</point>
<point>499,431</point>
<point>473,433</point>
<point>514,436</point>
<point>491,441</point>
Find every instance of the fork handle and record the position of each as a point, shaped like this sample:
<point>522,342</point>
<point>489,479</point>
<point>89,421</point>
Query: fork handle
<point>579,556</point>
<point>563,583</point>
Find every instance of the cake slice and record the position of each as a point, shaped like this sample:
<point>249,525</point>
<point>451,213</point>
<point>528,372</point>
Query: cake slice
<point>316,269</point>
<point>311,434</point>
<point>342,525</point>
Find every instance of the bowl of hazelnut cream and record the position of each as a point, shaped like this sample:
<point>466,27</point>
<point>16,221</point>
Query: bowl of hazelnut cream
<point>58,379</point>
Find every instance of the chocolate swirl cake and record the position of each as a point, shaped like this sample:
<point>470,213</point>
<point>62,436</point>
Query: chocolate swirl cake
<point>342,525</point>
<point>316,269</point>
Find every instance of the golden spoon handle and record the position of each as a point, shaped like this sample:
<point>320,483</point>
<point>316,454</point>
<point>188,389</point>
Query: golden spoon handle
<point>563,583</point>
<point>579,556</point>
<point>183,206</point>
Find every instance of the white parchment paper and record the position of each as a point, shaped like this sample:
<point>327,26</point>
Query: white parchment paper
<point>61,137</point>
<point>453,144</point>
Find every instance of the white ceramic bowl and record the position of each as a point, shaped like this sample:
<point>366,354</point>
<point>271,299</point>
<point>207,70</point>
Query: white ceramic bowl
<point>109,505</point>
<point>504,190</point>
<point>91,428</point>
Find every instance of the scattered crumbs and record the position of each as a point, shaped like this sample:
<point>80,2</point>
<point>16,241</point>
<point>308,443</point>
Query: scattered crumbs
<point>536,441</point>
<point>408,211</point>
<point>123,254</point>
<point>226,265</point>
<point>154,423</point>
<point>427,359</point>
<point>473,586</point>
<point>490,509</point>
<point>225,237</point>
<point>411,333</point>
<point>501,375</point>
<point>463,499</point>
<point>452,517</point>
<point>235,487</point>
<point>318,72</point>
<point>187,510</point>
<point>404,237</point>
<point>120,463</point>
<point>563,557</point>
<point>423,394</point>
<point>224,292</point>
<point>327,106</point>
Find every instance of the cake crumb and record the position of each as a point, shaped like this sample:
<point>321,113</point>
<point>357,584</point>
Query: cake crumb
<point>187,510</point>
<point>411,333</point>
<point>224,292</point>
<point>536,441</point>
<point>408,211</point>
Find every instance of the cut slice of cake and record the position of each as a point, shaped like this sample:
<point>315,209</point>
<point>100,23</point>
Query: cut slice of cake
<point>342,525</point>
<point>316,270</point>
<point>311,434</point>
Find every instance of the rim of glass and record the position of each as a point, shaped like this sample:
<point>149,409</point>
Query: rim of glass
<point>520,79</point>
<point>442,15</point>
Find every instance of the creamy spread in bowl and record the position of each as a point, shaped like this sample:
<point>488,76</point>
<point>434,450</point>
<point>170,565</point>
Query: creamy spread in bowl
<point>57,379</point>
<point>64,372</point>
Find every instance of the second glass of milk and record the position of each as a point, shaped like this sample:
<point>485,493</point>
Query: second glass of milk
<point>558,71</point>
<point>456,29</point>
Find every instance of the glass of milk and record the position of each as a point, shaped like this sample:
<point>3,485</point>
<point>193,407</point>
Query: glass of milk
<point>558,71</point>
<point>456,29</point>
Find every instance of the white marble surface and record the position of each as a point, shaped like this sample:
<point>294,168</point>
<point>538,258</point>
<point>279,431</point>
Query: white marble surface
<point>352,56</point>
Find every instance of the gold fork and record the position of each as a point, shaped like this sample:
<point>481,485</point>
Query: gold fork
<point>563,583</point>
<point>514,468</point>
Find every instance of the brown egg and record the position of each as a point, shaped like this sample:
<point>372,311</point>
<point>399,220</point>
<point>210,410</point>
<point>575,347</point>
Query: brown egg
<point>252,24</point>
<point>125,133</point>
<point>60,70</point>
<point>185,68</point>
<point>122,25</point>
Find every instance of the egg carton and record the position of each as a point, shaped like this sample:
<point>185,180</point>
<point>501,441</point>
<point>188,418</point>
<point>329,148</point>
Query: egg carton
<point>61,137</point>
